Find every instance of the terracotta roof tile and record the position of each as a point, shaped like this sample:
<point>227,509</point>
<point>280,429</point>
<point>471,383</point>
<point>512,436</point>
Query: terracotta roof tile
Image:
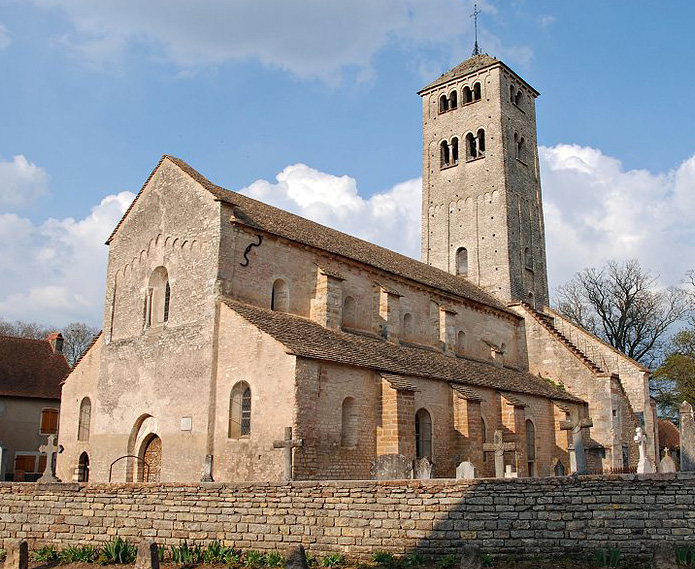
<point>29,368</point>
<point>399,382</point>
<point>467,393</point>
<point>310,340</point>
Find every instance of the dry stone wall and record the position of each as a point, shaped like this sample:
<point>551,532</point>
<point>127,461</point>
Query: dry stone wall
<point>523,516</point>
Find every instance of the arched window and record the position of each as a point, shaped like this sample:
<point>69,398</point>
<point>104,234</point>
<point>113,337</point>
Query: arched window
<point>445,158</point>
<point>349,309</point>
<point>512,92</point>
<point>477,92</point>
<point>454,150</point>
<point>467,95</point>
<point>453,101</point>
<point>423,434</point>
<point>408,327</point>
<point>531,447</point>
<point>462,262</point>
<point>350,434</point>
<point>85,419</point>
<point>559,469</point>
<point>461,342</point>
<point>157,298</point>
<point>280,297</point>
<point>528,258</point>
<point>240,411</point>
<point>483,435</point>
<point>518,98</point>
<point>519,143</point>
<point>443,104</point>
<point>471,147</point>
<point>531,300</point>
<point>481,142</point>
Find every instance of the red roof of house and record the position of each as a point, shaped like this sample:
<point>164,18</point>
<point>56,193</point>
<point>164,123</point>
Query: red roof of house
<point>30,368</point>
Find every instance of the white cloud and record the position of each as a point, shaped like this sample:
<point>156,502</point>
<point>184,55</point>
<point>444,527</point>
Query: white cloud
<point>5,39</point>
<point>310,38</point>
<point>390,219</point>
<point>596,210</point>
<point>21,182</point>
<point>54,272</point>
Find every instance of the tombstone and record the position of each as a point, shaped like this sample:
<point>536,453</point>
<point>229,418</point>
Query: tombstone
<point>391,467</point>
<point>667,464</point>
<point>644,466</point>
<point>148,555</point>
<point>509,473</point>
<point>52,450</point>
<point>466,470</point>
<point>687,430</point>
<point>471,557</point>
<point>288,444</point>
<point>498,446</point>
<point>577,454</point>
<point>422,469</point>
<point>17,554</point>
<point>296,558</point>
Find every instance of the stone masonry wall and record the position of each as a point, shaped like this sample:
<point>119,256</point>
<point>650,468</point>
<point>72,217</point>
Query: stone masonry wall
<point>523,516</point>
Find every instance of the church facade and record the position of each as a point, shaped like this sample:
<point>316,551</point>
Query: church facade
<point>226,321</point>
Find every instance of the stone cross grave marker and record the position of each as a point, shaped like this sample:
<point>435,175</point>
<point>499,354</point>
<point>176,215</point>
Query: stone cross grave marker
<point>51,449</point>
<point>643,466</point>
<point>575,425</point>
<point>288,444</point>
<point>687,428</point>
<point>498,446</point>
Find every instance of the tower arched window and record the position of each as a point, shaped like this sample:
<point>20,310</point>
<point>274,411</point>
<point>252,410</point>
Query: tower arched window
<point>85,419</point>
<point>239,411</point>
<point>349,312</point>
<point>407,327</point>
<point>519,144</point>
<point>467,95</point>
<point>518,98</point>
<point>280,296</point>
<point>350,424</point>
<point>454,150</point>
<point>461,342</point>
<point>453,100</point>
<point>481,142</point>
<point>531,447</point>
<point>443,104</point>
<point>445,157</point>
<point>512,93</point>
<point>462,262</point>
<point>528,258</point>
<point>471,147</point>
<point>423,434</point>
<point>477,92</point>
<point>157,298</point>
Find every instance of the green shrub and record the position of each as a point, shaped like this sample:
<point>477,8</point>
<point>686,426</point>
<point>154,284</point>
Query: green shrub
<point>384,558</point>
<point>414,560</point>
<point>685,555</point>
<point>79,554</point>
<point>46,554</point>
<point>253,558</point>
<point>487,560</point>
<point>215,552</point>
<point>608,557</point>
<point>119,551</point>
<point>333,560</point>
<point>447,561</point>
<point>184,554</point>
<point>273,559</point>
<point>311,560</point>
<point>3,555</point>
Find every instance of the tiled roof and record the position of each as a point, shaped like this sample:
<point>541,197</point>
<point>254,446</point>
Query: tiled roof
<point>308,339</point>
<point>29,368</point>
<point>513,400</point>
<point>267,218</point>
<point>399,382</point>
<point>471,65</point>
<point>467,393</point>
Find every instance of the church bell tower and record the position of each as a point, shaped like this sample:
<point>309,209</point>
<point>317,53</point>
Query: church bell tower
<point>482,213</point>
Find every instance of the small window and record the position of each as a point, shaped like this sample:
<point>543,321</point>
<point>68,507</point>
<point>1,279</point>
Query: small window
<point>350,433</point>
<point>518,98</point>
<point>454,150</point>
<point>443,104</point>
<point>531,447</point>
<point>467,95</point>
<point>445,157</point>
<point>512,93</point>
<point>24,463</point>
<point>481,142</point>
<point>280,296</point>
<point>167,299</point>
<point>453,101</point>
<point>528,258</point>
<point>408,327</point>
<point>349,309</point>
<point>49,421</point>
<point>471,147</point>
<point>85,419</point>
<point>157,298</point>
<point>461,342</point>
<point>240,411</point>
<point>423,434</point>
<point>519,144</point>
<point>462,262</point>
<point>477,92</point>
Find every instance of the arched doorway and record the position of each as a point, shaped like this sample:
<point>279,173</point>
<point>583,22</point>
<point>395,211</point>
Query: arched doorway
<point>151,454</point>
<point>83,468</point>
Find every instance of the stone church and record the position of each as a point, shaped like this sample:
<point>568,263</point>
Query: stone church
<point>226,321</point>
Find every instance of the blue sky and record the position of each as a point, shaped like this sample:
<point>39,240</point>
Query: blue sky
<point>311,103</point>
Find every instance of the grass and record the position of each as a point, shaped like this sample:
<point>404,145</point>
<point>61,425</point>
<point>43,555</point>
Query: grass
<point>685,555</point>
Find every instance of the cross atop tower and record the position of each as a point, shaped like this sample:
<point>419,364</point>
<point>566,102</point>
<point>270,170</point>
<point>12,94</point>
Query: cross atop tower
<point>474,15</point>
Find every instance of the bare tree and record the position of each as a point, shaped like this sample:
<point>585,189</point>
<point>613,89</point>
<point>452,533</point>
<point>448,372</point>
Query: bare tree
<point>24,329</point>
<point>622,304</point>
